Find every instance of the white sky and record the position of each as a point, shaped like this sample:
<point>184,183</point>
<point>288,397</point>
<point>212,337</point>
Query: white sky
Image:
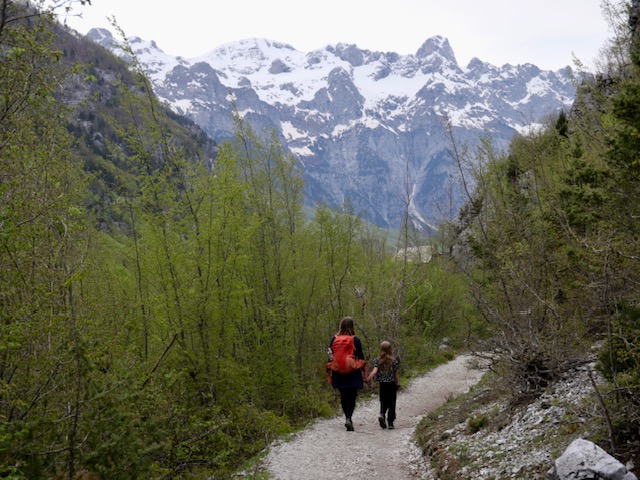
<point>547,33</point>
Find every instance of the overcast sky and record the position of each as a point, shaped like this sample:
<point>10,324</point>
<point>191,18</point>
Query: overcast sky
<point>547,33</point>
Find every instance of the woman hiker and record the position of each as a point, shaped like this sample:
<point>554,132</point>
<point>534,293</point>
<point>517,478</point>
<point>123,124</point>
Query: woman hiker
<point>349,383</point>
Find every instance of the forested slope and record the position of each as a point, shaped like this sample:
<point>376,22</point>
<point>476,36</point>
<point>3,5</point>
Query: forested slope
<point>165,306</point>
<point>550,244</point>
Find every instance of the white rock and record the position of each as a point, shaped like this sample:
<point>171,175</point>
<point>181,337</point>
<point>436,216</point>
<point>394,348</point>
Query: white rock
<point>582,459</point>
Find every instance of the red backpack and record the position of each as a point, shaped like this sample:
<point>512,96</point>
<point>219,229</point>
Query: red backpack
<point>344,359</point>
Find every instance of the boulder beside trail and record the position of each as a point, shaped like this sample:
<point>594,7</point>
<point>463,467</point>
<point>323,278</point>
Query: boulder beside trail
<point>584,460</point>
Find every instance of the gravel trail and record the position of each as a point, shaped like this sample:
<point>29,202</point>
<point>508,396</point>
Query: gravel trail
<point>326,450</point>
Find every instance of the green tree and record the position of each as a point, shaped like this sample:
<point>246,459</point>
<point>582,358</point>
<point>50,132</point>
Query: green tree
<point>42,251</point>
<point>518,278</point>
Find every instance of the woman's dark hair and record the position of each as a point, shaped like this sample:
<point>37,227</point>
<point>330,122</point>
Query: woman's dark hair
<point>346,327</point>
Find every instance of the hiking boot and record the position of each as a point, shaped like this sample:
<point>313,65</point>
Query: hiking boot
<point>349,425</point>
<point>391,427</point>
<point>382,422</point>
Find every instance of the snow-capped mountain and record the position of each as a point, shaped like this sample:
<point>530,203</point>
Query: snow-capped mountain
<point>369,127</point>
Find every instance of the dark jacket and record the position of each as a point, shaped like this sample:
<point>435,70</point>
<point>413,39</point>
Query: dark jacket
<point>353,379</point>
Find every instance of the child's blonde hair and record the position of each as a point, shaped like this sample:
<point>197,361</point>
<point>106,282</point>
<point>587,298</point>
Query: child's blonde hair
<point>386,355</point>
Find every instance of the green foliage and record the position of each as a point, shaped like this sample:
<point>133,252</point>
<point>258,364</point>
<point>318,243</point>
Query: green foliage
<point>182,324</point>
<point>438,301</point>
<point>620,359</point>
<point>477,423</point>
<point>562,124</point>
<point>516,273</point>
<point>549,242</point>
<point>617,254</point>
<point>42,247</point>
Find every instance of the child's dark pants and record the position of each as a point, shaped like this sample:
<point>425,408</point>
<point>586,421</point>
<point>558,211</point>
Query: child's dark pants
<point>388,400</point>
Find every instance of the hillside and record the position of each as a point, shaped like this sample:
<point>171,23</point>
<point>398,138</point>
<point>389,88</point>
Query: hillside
<point>484,434</point>
<point>97,93</point>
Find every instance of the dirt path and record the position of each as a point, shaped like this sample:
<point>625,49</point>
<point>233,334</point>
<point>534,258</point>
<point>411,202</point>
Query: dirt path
<point>327,451</point>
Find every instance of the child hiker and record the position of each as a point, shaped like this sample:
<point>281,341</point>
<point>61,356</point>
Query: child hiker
<point>385,371</point>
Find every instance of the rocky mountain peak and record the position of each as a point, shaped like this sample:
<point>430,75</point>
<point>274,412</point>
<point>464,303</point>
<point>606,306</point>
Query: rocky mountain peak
<point>349,53</point>
<point>436,45</point>
<point>102,36</point>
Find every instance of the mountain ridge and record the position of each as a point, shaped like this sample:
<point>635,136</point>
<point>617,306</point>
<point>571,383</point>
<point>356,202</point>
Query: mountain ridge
<point>369,127</point>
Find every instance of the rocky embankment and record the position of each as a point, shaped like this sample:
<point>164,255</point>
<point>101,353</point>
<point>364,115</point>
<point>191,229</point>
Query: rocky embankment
<point>481,437</point>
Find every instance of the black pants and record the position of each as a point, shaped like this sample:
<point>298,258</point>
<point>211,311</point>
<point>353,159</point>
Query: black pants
<point>388,400</point>
<point>348,400</point>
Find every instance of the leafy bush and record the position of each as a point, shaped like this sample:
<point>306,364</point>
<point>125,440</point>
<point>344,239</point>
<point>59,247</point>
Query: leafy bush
<point>476,423</point>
